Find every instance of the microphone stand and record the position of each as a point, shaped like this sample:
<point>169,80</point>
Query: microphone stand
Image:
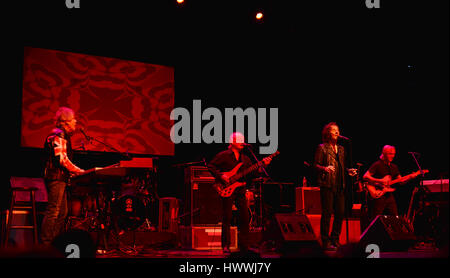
<point>260,187</point>
<point>103,212</point>
<point>417,163</point>
<point>90,138</point>
<point>203,161</point>
<point>349,188</point>
<point>259,162</point>
<point>414,191</point>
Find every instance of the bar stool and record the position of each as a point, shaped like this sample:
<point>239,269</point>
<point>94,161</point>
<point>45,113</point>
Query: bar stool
<point>22,205</point>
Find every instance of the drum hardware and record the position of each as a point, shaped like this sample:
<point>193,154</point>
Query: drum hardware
<point>123,194</point>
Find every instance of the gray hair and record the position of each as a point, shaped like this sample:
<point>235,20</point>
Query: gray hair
<point>63,114</point>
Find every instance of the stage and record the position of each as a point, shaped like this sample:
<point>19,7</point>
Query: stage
<point>156,90</point>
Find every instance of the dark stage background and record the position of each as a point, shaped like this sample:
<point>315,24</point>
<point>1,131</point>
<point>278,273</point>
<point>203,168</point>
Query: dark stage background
<point>381,74</point>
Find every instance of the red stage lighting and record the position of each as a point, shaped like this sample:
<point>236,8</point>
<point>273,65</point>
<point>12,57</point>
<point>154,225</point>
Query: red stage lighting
<point>180,1</point>
<point>259,15</point>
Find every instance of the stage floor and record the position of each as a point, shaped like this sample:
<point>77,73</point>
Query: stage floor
<point>147,253</point>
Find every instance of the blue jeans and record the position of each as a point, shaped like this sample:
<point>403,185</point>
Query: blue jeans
<point>56,211</point>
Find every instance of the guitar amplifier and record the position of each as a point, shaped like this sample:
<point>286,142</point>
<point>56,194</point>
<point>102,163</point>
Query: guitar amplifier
<point>279,196</point>
<point>307,200</point>
<point>203,205</point>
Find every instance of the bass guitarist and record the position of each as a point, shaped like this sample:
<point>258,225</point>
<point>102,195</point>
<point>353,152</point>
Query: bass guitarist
<point>223,162</point>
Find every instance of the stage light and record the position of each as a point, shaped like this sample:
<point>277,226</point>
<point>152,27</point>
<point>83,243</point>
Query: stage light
<point>259,15</point>
<point>180,1</point>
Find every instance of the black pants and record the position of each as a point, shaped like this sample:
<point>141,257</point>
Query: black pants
<point>331,202</point>
<point>385,205</point>
<point>243,220</point>
<point>56,212</point>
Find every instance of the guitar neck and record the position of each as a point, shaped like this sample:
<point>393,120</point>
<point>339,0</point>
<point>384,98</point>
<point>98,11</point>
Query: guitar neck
<point>407,177</point>
<point>249,170</point>
<point>245,172</point>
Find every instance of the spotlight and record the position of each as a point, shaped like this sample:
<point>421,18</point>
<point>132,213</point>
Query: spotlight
<point>259,15</point>
<point>180,1</point>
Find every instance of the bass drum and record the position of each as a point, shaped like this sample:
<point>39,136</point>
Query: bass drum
<point>130,212</point>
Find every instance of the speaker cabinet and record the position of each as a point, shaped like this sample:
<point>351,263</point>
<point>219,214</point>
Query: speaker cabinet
<point>307,200</point>
<point>390,233</point>
<point>203,205</point>
<point>278,197</point>
<point>295,236</point>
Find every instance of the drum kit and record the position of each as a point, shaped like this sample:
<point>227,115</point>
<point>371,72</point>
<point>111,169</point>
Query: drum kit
<point>113,207</point>
<point>253,199</point>
<point>116,199</point>
<point>251,196</point>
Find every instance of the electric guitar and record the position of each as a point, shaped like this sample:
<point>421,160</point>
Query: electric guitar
<point>376,190</point>
<point>225,189</point>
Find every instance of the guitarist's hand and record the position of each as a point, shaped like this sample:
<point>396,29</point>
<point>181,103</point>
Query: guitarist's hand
<point>225,178</point>
<point>267,160</point>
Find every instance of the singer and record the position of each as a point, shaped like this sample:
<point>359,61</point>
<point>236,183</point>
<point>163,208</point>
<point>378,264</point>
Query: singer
<point>329,162</point>
<point>58,168</point>
<point>224,162</point>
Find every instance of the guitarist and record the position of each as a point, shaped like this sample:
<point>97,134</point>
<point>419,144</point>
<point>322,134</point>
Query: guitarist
<point>386,204</point>
<point>225,161</point>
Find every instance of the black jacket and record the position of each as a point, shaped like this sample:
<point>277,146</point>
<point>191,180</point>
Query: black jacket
<point>225,161</point>
<point>325,156</point>
<point>54,170</point>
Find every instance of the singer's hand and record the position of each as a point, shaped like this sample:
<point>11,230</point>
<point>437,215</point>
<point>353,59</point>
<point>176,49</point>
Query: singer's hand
<point>352,172</point>
<point>329,169</point>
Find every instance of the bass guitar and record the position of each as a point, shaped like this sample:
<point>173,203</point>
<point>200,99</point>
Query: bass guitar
<point>376,190</point>
<point>225,189</point>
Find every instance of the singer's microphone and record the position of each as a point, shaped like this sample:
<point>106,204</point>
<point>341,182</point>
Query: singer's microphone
<point>414,153</point>
<point>247,145</point>
<point>343,138</point>
<point>87,137</point>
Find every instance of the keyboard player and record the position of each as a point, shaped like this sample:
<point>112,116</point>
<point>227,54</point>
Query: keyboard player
<point>58,168</point>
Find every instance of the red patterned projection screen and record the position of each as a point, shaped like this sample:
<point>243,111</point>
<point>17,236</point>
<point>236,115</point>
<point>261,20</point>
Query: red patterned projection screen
<point>123,103</point>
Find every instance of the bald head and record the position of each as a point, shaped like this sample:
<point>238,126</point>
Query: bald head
<point>236,140</point>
